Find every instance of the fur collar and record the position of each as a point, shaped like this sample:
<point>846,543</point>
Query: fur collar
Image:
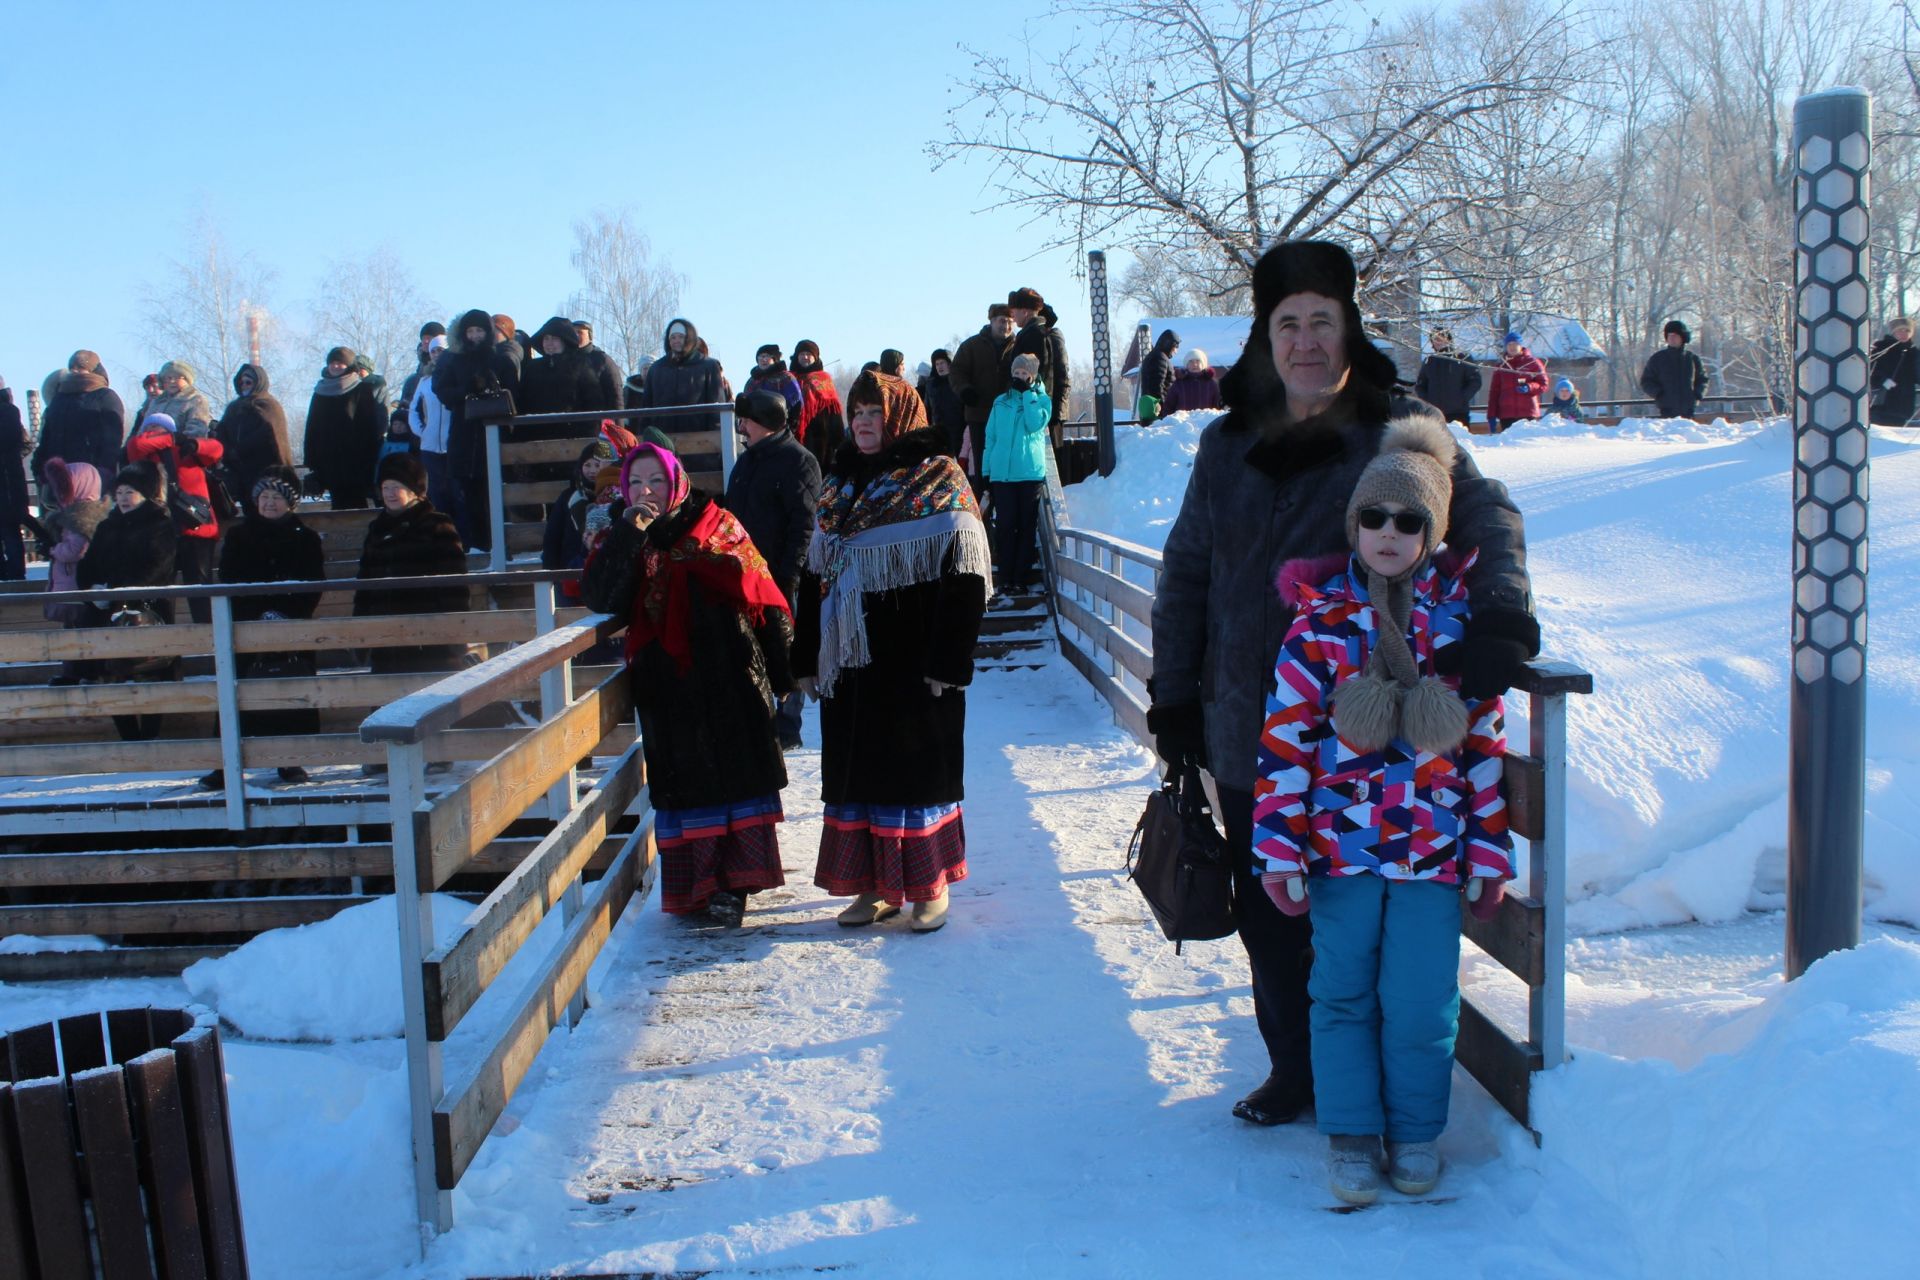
<point>1307,581</point>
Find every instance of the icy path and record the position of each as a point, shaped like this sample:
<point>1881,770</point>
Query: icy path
<point>1040,1089</point>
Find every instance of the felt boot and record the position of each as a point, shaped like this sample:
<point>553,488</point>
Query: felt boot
<point>1353,1167</point>
<point>930,916</point>
<point>1413,1167</point>
<point>866,909</point>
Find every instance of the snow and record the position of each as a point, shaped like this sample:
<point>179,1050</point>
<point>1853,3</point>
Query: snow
<point>1549,336</point>
<point>1661,560</point>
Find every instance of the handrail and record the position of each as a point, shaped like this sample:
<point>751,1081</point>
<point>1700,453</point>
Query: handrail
<point>235,590</point>
<point>596,415</point>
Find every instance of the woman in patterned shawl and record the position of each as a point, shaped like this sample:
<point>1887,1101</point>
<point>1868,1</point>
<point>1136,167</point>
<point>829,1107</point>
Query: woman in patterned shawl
<point>707,638</point>
<point>890,603</point>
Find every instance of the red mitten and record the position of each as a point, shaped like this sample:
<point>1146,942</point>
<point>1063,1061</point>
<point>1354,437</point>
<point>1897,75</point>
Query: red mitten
<point>1483,896</point>
<point>1288,889</point>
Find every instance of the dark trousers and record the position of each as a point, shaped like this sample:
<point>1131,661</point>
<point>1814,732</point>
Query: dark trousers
<point>1016,524</point>
<point>448,495</point>
<point>13,551</point>
<point>1279,948</point>
<point>786,717</point>
<point>193,557</point>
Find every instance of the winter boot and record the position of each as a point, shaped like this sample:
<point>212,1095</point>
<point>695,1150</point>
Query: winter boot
<point>215,781</point>
<point>1353,1167</point>
<point>726,908</point>
<point>930,916</point>
<point>292,773</point>
<point>1413,1167</point>
<point>866,909</point>
<point>1280,1099</point>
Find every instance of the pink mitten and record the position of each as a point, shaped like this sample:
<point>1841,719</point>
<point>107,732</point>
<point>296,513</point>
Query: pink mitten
<point>1483,896</point>
<point>1288,889</point>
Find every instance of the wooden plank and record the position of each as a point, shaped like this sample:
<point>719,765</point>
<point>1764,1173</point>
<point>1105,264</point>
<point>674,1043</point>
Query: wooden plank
<point>114,962</point>
<point>130,1033</point>
<point>1524,784</point>
<point>531,536</point>
<point>16,1218</point>
<point>203,1095</point>
<point>567,449</point>
<point>1124,648</point>
<point>83,1042</point>
<point>1516,936</point>
<point>534,493</point>
<point>1134,551</point>
<point>464,821</point>
<point>490,626</point>
<point>461,1126</point>
<point>1132,716</point>
<point>456,974</point>
<point>60,702</point>
<point>192,755</point>
<point>174,641</point>
<point>1503,1068</point>
<point>1136,602</point>
<point>166,1168</point>
<point>53,1179</point>
<point>217,915</point>
<point>447,702</point>
<point>32,1053</point>
<point>113,1176</point>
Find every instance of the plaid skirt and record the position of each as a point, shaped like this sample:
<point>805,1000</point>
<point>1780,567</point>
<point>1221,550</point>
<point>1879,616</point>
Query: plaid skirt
<point>735,847</point>
<point>904,854</point>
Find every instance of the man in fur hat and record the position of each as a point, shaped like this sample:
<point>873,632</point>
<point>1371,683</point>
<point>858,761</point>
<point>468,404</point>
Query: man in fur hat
<point>1308,403</point>
<point>1674,376</point>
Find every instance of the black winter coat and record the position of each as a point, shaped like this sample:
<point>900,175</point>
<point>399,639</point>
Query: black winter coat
<point>283,550</point>
<point>564,544</point>
<point>563,383</point>
<point>132,549</point>
<point>609,383</point>
<point>944,409</point>
<point>1676,379</point>
<point>416,542</point>
<point>1898,363</point>
<point>13,462</point>
<point>343,444</point>
<point>253,428</point>
<point>1156,373</point>
<point>82,426</point>
<point>884,737</point>
<point>472,370</point>
<point>773,493</point>
<point>1449,384</point>
<point>979,374</point>
<point>708,731</point>
<point>690,378</point>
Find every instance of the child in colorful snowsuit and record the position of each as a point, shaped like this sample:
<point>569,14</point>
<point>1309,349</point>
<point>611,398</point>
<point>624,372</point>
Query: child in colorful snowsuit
<point>1377,798</point>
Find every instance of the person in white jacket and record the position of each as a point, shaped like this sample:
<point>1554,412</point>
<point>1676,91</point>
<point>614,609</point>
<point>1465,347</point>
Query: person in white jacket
<point>431,420</point>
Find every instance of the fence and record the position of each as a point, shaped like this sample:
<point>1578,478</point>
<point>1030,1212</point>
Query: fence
<point>437,838</point>
<point>115,1150</point>
<point>1103,589</point>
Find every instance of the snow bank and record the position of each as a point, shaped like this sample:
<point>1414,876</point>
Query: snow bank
<point>1660,553</point>
<point>337,979</point>
<point>1725,1168</point>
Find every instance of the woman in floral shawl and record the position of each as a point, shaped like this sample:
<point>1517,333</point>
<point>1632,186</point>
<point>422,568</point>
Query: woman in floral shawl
<point>706,648</point>
<point>890,603</point>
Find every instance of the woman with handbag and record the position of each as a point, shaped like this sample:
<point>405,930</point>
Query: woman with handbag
<point>706,654</point>
<point>133,547</point>
<point>272,545</point>
<point>890,604</point>
<point>184,460</point>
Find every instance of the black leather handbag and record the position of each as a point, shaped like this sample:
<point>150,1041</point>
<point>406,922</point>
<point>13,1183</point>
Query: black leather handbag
<point>1178,860</point>
<point>495,405</point>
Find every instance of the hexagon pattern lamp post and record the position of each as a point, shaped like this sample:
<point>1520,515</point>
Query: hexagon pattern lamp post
<point>1102,360</point>
<point>1832,135</point>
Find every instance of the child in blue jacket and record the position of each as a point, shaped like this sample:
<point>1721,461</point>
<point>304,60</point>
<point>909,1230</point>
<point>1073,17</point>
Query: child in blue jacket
<point>1015,466</point>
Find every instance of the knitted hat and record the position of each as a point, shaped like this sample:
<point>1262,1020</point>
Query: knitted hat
<point>763,407</point>
<point>1027,299</point>
<point>1564,387</point>
<point>341,355</point>
<point>1028,363</point>
<point>280,480</point>
<point>181,370</point>
<point>1513,336</point>
<point>404,467</point>
<point>143,478</point>
<point>1675,326</point>
<point>160,421</point>
<point>1414,468</point>
<point>768,349</point>
<point>437,343</point>
<point>1306,266</point>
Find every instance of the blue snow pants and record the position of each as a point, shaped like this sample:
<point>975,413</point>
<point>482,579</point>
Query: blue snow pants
<point>1386,1004</point>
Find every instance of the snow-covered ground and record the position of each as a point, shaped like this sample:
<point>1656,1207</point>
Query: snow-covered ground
<point>1043,1087</point>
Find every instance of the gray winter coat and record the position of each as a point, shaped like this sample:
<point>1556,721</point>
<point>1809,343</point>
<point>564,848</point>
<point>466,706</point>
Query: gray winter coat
<point>1251,506</point>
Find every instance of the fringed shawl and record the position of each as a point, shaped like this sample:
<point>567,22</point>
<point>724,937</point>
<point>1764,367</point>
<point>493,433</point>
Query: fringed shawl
<point>716,552</point>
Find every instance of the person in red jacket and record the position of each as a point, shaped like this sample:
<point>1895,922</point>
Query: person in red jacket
<point>185,460</point>
<point>1518,382</point>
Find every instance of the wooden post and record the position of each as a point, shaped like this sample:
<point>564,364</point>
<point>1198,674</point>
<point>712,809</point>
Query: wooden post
<point>1547,876</point>
<point>426,1075</point>
<point>225,676</point>
<point>497,506</point>
<point>556,692</point>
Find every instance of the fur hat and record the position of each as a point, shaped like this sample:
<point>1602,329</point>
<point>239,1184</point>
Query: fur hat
<point>143,478</point>
<point>281,480</point>
<point>768,349</point>
<point>763,407</point>
<point>1414,468</point>
<point>998,309</point>
<point>807,346</point>
<point>1675,326</point>
<point>1026,299</point>
<point>503,326</point>
<point>341,356</point>
<point>85,361</point>
<point>1307,266</point>
<point>405,468</point>
<point>181,370</point>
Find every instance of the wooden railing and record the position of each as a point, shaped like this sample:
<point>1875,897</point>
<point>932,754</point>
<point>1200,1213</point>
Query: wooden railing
<point>436,838</point>
<point>1102,593</point>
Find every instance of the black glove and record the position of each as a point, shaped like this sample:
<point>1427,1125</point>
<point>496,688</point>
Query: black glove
<point>188,447</point>
<point>1179,733</point>
<point>969,397</point>
<point>1493,654</point>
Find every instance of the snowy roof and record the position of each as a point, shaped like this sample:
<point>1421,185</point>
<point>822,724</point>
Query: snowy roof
<point>1548,336</point>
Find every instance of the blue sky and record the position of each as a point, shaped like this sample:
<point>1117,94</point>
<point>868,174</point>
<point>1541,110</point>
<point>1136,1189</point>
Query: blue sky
<point>775,153</point>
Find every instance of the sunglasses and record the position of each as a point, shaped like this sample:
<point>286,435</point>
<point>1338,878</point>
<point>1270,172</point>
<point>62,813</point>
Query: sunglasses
<point>1407,522</point>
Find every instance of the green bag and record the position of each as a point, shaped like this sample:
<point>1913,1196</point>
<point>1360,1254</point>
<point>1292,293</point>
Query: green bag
<point>1146,409</point>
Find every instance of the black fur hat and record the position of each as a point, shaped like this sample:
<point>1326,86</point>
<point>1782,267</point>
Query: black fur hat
<point>406,468</point>
<point>1675,326</point>
<point>143,478</point>
<point>1307,266</point>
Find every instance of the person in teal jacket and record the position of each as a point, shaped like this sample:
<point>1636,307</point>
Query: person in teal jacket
<point>1015,466</point>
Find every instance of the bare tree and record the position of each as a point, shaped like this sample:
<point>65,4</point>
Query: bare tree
<point>372,305</point>
<point>1175,282</point>
<point>198,310</point>
<point>628,294</point>
<point>1227,124</point>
